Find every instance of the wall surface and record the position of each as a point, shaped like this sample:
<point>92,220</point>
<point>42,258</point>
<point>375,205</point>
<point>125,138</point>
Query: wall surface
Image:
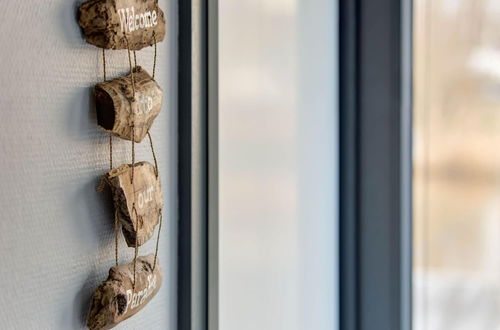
<point>56,232</point>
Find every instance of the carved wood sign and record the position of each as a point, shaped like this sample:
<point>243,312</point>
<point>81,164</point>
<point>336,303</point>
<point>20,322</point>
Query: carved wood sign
<point>122,24</point>
<point>115,102</point>
<point>126,107</point>
<point>116,300</point>
<point>145,194</point>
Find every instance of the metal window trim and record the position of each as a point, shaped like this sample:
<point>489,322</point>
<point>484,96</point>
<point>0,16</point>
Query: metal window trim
<point>198,166</point>
<point>376,166</point>
<point>375,137</point>
<point>213,164</point>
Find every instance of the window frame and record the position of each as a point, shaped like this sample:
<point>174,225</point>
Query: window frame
<point>197,273</point>
<point>375,164</point>
<point>375,234</point>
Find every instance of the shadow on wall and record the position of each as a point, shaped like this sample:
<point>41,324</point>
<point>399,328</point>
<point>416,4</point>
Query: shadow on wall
<point>69,17</point>
<point>88,199</point>
<point>93,206</point>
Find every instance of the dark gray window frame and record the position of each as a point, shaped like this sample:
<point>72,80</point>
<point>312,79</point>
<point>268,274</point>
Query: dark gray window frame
<point>197,276</point>
<point>192,185</point>
<point>376,165</point>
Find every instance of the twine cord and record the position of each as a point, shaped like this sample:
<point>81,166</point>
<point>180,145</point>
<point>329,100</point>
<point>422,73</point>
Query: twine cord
<point>116,224</point>
<point>110,152</point>
<point>154,154</point>
<point>131,71</point>
<point>158,239</point>
<point>134,210</point>
<point>133,155</point>
<point>154,61</point>
<point>136,248</point>
<point>104,62</point>
<point>116,237</point>
<point>161,212</point>
<point>132,112</point>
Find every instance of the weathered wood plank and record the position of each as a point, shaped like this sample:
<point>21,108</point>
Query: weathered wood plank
<point>111,23</point>
<point>115,300</point>
<point>147,195</point>
<point>115,102</point>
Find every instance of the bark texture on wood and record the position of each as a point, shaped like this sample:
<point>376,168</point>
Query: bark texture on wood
<point>110,23</point>
<point>147,195</point>
<point>115,102</point>
<point>115,300</point>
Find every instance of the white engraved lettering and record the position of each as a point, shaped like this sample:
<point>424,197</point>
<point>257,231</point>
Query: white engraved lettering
<point>130,21</point>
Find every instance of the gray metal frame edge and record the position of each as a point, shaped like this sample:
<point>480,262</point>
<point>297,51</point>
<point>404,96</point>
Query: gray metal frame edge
<point>193,167</point>
<point>376,174</point>
<point>213,164</point>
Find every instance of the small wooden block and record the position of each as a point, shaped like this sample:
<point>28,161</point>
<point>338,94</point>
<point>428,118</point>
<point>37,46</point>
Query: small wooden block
<point>145,192</point>
<point>115,103</point>
<point>110,23</point>
<point>115,300</point>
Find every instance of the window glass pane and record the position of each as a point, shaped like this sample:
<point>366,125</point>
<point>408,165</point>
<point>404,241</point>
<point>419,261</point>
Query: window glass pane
<point>278,164</point>
<point>457,165</point>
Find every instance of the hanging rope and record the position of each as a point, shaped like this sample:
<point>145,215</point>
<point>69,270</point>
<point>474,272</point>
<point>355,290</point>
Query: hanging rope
<point>116,223</point>
<point>136,248</point>
<point>131,71</point>
<point>138,219</point>
<point>110,152</point>
<point>104,62</point>
<point>154,61</point>
<point>116,237</point>
<point>116,210</point>
<point>132,113</point>
<point>161,211</point>
<point>110,136</point>
<point>154,154</point>
<point>158,239</point>
<point>133,154</point>
<point>132,76</point>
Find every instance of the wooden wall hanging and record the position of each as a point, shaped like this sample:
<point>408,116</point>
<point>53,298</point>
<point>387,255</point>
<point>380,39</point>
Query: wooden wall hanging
<point>116,299</point>
<point>139,222</point>
<point>122,24</point>
<point>126,107</point>
<point>114,105</point>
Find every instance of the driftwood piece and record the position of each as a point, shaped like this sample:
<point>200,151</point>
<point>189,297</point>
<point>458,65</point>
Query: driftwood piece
<point>115,101</point>
<point>147,195</point>
<point>115,300</point>
<point>111,23</point>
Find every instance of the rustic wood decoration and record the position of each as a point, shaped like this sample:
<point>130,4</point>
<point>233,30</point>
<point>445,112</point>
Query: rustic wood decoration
<point>126,107</point>
<point>138,205</point>
<point>118,298</point>
<point>115,101</point>
<point>122,24</point>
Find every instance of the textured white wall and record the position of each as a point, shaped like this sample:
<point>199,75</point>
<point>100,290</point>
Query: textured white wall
<point>56,234</point>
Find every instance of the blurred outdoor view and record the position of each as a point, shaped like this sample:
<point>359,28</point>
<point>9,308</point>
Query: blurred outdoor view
<point>457,165</point>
